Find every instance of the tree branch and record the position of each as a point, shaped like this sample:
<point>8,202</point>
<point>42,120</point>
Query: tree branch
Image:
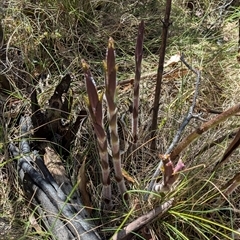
<point>203,128</point>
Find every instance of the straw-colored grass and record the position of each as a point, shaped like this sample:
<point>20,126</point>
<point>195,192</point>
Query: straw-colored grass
<point>55,35</point>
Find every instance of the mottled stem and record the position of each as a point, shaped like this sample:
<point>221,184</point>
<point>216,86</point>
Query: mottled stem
<point>112,114</point>
<point>95,110</point>
<point>138,61</point>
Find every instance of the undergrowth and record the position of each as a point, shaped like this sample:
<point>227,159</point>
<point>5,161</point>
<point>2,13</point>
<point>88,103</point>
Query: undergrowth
<point>55,35</point>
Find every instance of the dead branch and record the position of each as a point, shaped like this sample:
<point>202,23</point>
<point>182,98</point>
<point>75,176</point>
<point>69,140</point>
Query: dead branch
<point>238,55</point>
<point>197,133</point>
<point>203,128</point>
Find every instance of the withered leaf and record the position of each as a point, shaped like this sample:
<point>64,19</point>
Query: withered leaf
<point>82,186</point>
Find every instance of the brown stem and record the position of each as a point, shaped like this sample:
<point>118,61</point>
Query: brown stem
<point>166,24</point>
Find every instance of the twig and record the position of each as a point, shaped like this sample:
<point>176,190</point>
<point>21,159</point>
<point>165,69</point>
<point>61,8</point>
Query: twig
<point>185,121</point>
<point>189,116</point>
<point>231,185</point>
<point>166,24</point>
<point>1,34</point>
<point>238,55</point>
<point>142,221</point>
<point>213,111</point>
<point>146,76</point>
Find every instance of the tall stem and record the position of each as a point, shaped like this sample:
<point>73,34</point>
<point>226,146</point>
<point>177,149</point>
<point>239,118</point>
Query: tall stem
<point>138,62</point>
<point>95,110</point>
<point>111,83</point>
<point>166,24</point>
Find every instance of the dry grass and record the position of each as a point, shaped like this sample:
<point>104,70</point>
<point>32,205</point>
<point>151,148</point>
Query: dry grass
<point>55,35</point>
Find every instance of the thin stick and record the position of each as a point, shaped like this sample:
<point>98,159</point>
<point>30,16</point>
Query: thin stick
<point>166,24</point>
<point>190,115</point>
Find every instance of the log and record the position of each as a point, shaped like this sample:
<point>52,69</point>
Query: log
<point>62,215</point>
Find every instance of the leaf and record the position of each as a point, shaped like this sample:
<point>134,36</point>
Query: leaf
<point>56,167</point>
<point>127,176</point>
<point>179,167</point>
<point>63,86</point>
<point>55,110</point>
<point>82,186</point>
<point>35,224</point>
<point>175,73</point>
<point>91,87</point>
<point>173,60</point>
<point>99,110</point>
<point>170,173</point>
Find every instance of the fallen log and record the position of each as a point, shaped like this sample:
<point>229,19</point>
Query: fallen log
<point>61,215</point>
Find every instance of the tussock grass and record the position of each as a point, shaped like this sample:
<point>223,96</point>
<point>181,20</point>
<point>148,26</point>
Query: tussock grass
<point>55,35</point>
